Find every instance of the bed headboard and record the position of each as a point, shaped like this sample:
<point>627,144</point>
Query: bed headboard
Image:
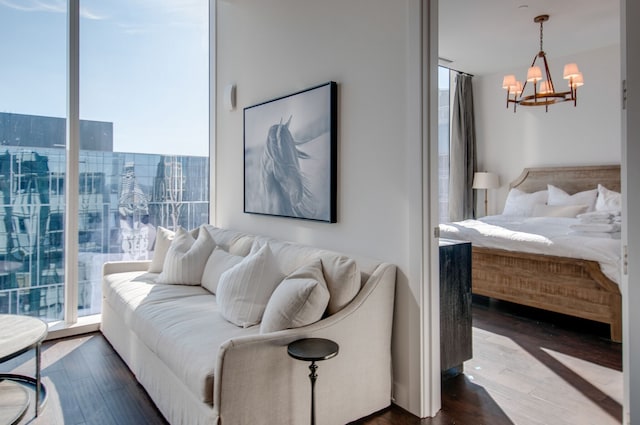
<point>569,179</point>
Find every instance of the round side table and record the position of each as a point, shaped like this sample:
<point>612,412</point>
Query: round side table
<point>313,350</point>
<point>19,334</point>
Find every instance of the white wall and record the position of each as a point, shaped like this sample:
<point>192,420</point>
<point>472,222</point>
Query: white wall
<point>631,204</point>
<point>371,48</point>
<point>588,134</point>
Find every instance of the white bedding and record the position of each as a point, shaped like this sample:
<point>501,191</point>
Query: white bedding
<point>537,235</point>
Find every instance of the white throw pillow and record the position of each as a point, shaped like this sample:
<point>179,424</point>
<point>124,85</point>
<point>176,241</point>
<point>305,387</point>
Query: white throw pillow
<point>186,258</point>
<point>244,290</point>
<point>343,281</point>
<point>608,200</point>
<point>299,300</point>
<point>558,196</point>
<point>521,203</point>
<point>219,262</point>
<point>543,210</point>
<point>163,242</point>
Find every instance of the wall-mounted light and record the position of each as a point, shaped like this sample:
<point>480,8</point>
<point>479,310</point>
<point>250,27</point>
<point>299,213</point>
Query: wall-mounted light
<point>229,97</point>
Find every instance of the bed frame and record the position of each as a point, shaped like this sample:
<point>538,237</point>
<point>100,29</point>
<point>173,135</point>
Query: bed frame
<point>564,285</point>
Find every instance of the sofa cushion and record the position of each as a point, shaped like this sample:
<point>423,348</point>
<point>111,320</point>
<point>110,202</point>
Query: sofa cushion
<point>299,300</point>
<point>162,244</point>
<point>161,247</point>
<point>233,242</point>
<point>186,334</point>
<point>343,281</point>
<point>219,262</point>
<point>127,291</point>
<point>181,324</point>
<point>186,258</point>
<point>245,289</point>
<point>341,273</point>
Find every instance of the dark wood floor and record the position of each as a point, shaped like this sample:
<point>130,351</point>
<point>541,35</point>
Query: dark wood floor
<point>528,368</point>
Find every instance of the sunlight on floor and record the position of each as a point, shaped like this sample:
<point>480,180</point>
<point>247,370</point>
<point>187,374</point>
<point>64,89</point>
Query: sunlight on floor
<point>52,355</point>
<point>524,381</point>
<point>610,382</point>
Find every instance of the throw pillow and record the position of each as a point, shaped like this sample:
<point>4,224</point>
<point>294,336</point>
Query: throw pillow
<point>219,262</point>
<point>186,258</point>
<point>244,290</point>
<point>163,242</point>
<point>558,196</point>
<point>299,300</point>
<point>343,281</point>
<point>521,203</point>
<point>543,210</point>
<point>608,200</point>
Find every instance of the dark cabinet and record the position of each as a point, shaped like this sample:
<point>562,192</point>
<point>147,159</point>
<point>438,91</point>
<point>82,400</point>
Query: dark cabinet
<point>455,304</point>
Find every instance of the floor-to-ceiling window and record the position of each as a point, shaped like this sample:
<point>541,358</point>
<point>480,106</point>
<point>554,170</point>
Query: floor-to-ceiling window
<point>143,141</point>
<point>444,114</point>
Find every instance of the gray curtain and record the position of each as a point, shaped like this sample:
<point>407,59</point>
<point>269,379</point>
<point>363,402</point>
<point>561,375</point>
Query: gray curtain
<point>462,152</point>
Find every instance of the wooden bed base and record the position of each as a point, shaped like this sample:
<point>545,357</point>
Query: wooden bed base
<point>564,285</point>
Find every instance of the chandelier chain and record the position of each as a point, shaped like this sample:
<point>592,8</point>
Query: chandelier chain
<point>541,37</point>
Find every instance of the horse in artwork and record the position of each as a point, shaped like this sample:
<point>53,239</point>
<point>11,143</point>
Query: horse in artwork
<point>285,188</point>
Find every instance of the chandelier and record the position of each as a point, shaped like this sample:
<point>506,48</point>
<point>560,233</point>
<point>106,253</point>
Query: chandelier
<point>544,92</point>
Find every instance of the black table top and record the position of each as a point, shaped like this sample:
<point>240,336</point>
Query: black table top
<point>313,349</point>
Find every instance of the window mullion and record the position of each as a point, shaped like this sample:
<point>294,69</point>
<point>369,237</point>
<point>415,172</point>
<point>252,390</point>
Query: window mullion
<point>72,163</point>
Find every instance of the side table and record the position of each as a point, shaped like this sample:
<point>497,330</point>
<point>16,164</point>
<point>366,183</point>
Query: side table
<point>19,334</point>
<point>313,350</point>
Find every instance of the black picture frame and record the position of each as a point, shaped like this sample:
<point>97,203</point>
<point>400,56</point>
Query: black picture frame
<point>290,155</point>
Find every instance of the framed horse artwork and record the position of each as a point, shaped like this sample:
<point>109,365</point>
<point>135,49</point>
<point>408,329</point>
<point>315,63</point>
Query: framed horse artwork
<point>290,155</point>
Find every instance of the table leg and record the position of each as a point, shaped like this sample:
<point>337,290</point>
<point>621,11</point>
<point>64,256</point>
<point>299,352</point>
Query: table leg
<point>312,377</point>
<point>38,384</point>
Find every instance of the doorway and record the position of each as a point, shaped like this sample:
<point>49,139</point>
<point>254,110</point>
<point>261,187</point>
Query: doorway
<point>495,206</point>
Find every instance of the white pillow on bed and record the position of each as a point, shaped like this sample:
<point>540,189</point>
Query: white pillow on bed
<point>543,210</point>
<point>521,203</point>
<point>558,196</point>
<point>608,200</point>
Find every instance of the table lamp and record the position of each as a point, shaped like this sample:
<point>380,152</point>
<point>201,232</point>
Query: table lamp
<point>485,180</point>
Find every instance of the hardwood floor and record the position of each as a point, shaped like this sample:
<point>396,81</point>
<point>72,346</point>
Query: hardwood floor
<point>530,368</point>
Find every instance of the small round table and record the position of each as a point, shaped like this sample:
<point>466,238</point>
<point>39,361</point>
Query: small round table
<point>19,334</point>
<point>313,350</point>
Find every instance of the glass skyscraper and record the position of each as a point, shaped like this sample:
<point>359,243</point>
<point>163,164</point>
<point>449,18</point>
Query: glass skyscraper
<point>123,198</point>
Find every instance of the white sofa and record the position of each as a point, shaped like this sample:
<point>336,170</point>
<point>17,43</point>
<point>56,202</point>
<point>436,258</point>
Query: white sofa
<point>201,369</point>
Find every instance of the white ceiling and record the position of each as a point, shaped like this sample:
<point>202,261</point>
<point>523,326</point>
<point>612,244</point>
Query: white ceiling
<point>487,36</point>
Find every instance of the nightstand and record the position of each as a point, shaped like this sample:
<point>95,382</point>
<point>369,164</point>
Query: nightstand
<point>455,305</point>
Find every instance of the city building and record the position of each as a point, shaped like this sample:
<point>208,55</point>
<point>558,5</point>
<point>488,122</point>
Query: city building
<point>124,197</point>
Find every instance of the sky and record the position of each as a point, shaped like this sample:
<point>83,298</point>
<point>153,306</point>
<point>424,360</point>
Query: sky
<point>143,67</point>
<point>443,78</point>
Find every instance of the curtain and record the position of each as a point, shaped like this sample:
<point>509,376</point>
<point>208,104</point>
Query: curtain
<point>462,153</point>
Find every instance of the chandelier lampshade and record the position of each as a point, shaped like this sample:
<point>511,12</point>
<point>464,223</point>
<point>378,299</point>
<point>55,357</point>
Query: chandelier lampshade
<point>544,92</point>
<point>534,74</point>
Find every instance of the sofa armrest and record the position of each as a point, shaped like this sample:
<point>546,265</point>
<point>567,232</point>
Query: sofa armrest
<point>111,267</point>
<point>256,370</point>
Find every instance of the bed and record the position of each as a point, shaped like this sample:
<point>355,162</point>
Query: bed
<point>573,286</point>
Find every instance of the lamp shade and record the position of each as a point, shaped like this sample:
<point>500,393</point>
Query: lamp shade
<point>485,180</point>
<point>534,74</point>
<point>544,87</point>
<point>576,81</point>
<point>508,81</point>
<point>570,71</point>
<point>518,88</point>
